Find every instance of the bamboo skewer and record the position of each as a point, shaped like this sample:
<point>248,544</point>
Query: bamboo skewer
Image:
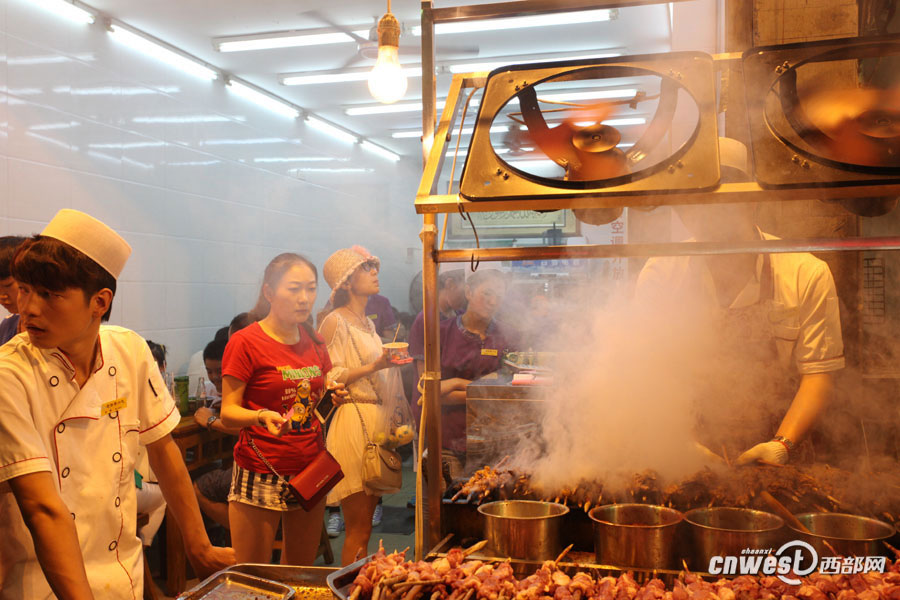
<point>562,554</point>
<point>356,592</point>
<point>413,592</point>
<point>404,584</point>
<point>474,548</point>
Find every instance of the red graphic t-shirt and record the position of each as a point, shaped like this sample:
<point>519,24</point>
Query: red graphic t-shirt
<point>273,371</point>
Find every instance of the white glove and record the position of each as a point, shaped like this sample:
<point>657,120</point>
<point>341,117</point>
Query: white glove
<point>774,452</point>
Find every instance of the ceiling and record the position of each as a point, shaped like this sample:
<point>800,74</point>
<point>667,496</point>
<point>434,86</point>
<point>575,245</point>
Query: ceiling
<point>193,24</point>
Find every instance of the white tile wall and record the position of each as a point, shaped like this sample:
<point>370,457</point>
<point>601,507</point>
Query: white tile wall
<point>88,124</point>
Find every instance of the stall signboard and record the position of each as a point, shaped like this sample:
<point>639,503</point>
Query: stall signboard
<point>513,224</point>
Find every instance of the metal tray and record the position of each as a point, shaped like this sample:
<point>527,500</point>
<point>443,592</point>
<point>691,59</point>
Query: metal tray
<point>341,581</point>
<point>309,583</point>
<point>232,585</point>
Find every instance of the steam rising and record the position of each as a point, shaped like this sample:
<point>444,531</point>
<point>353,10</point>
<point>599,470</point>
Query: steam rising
<point>624,401</point>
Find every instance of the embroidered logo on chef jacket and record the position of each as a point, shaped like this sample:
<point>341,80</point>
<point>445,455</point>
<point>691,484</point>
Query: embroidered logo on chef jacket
<point>489,352</point>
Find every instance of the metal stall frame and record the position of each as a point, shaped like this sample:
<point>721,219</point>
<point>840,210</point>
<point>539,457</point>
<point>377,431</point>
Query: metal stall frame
<point>430,204</point>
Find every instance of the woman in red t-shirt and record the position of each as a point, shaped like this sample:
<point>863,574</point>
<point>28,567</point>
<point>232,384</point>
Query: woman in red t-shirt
<point>270,367</point>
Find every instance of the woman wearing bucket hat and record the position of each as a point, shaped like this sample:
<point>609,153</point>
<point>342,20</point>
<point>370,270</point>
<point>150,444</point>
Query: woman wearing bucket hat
<point>362,364</point>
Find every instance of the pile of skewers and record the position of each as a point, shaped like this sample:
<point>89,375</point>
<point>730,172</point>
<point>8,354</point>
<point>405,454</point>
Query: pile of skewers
<point>454,577</point>
<point>818,489</point>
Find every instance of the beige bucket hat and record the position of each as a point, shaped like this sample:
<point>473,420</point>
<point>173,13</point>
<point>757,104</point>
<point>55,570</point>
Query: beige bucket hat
<point>340,266</point>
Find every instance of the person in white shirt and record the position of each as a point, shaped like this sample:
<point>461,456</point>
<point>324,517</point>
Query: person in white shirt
<point>77,398</point>
<point>780,311</point>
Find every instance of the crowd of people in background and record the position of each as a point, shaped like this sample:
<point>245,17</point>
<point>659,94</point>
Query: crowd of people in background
<point>275,356</point>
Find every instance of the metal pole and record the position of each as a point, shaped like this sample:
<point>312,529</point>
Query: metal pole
<point>430,527</point>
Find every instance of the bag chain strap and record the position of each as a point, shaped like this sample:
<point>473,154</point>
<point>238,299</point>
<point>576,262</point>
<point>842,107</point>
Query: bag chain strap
<point>263,458</point>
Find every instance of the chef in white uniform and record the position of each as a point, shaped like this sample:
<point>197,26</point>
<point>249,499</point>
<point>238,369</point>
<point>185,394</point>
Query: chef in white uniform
<point>76,401</point>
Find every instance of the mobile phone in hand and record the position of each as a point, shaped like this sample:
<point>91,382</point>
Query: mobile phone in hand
<point>325,406</point>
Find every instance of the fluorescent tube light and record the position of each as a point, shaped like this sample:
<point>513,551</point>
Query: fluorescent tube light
<point>284,40</point>
<point>66,9</point>
<point>297,79</point>
<point>337,170</point>
<point>383,109</point>
<point>160,52</point>
<point>465,131</point>
<point>376,149</point>
<point>490,66</point>
<point>264,100</point>
<point>330,130</point>
<point>570,18</point>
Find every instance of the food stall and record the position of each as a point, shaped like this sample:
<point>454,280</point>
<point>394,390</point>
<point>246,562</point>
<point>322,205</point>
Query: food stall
<point>788,164</point>
<point>649,538</point>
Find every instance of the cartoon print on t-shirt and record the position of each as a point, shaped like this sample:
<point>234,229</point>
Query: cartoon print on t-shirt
<point>301,407</point>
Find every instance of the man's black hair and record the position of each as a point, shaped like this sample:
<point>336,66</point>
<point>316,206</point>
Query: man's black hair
<point>221,334</point>
<point>48,263</point>
<point>240,321</point>
<point>159,353</point>
<point>8,245</point>
<point>214,350</point>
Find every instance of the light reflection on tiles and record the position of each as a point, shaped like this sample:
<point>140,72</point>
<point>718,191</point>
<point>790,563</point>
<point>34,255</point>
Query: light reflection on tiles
<point>335,170</point>
<point>115,90</point>
<point>128,145</point>
<point>189,119</point>
<point>242,141</point>
<point>194,163</point>
<point>27,91</point>
<point>52,126</point>
<point>50,140</point>
<point>136,163</point>
<point>287,159</point>
<point>49,59</point>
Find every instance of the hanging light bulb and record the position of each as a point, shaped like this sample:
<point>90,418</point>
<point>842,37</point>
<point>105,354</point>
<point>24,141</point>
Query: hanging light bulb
<point>387,81</point>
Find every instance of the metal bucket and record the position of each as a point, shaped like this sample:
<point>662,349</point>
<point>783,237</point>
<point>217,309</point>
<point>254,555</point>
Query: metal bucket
<point>726,531</point>
<point>523,529</point>
<point>849,535</point>
<point>635,535</point>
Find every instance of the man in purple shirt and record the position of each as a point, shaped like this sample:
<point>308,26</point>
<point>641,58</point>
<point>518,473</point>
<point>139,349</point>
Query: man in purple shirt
<point>379,309</point>
<point>472,345</point>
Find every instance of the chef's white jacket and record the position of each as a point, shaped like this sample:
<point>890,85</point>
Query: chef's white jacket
<point>88,439</point>
<point>804,314</point>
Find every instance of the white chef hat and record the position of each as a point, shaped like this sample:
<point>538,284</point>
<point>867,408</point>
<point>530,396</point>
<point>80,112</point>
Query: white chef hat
<point>90,237</point>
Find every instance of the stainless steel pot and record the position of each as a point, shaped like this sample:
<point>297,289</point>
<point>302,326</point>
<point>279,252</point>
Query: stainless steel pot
<point>849,535</point>
<point>635,535</point>
<point>724,531</point>
<point>523,529</point>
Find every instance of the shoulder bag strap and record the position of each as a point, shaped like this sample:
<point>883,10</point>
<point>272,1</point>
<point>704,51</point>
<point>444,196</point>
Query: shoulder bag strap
<point>261,457</point>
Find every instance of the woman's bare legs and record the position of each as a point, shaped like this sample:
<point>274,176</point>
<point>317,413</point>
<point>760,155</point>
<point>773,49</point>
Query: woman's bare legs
<point>358,509</point>
<point>252,531</point>
<point>301,532</point>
